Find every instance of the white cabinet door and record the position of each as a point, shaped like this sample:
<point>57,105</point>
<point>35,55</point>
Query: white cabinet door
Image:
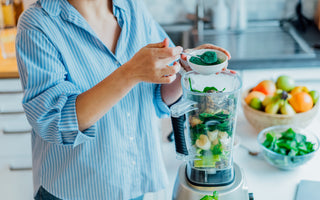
<point>16,179</point>
<point>10,86</point>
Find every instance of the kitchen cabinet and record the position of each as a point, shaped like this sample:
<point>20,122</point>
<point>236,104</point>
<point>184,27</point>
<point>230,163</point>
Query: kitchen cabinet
<point>15,144</point>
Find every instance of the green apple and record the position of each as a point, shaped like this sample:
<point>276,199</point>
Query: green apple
<point>256,103</point>
<point>314,95</point>
<point>285,83</point>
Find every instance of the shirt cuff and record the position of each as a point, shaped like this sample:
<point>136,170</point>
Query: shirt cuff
<point>162,109</point>
<point>69,125</point>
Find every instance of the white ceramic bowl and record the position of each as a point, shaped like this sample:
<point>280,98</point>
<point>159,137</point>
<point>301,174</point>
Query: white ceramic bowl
<point>208,69</point>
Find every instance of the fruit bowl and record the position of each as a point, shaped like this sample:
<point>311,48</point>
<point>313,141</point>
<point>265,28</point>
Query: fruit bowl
<point>260,120</point>
<point>290,161</point>
<point>208,69</point>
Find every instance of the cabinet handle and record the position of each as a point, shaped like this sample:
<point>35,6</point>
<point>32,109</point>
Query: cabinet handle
<point>11,112</point>
<point>11,92</point>
<point>8,132</point>
<point>14,168</point>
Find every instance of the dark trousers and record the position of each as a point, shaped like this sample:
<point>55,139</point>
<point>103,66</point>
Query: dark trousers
<point>43,194</point>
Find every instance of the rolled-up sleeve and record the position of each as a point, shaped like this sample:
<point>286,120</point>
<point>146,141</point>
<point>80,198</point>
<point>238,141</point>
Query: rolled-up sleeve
<point>49,98</point>
<point>162,109</point>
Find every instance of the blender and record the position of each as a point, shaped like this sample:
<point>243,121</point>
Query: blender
<point>204,123</point>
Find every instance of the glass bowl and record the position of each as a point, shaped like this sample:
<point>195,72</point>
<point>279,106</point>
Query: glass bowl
<point>208,69</point>
<point>287,162</point>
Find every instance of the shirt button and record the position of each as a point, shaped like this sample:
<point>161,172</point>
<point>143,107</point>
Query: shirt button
<point>117,63</point>
<point>133,162</point>
<point>131,138</point>
<point>128,114</point>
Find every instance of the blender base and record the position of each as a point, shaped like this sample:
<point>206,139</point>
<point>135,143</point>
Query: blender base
<point>184,190</point>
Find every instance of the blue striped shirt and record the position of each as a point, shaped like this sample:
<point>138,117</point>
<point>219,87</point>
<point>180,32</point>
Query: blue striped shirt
<point>59,56</point>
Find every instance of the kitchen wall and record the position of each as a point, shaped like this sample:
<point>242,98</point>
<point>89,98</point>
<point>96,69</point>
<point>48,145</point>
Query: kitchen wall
<point>174,11</point>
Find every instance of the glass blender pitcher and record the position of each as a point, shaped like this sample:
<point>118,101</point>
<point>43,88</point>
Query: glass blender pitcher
<point>204,126</point>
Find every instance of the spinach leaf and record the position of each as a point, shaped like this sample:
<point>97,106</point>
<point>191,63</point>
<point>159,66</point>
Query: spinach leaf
<point>206,89</point>
<point>289,143</point>
<point>209,197</point>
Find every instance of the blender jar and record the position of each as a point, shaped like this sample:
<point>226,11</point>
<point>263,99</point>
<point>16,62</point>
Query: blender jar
<point>204,126</point>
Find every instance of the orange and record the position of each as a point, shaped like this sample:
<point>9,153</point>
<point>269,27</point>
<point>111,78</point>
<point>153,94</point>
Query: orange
<point>299,89</point>
<point>254,94</point>
<point>267,87</point>
<point>301,102</point>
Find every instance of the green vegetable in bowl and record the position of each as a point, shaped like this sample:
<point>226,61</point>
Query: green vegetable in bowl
<point>207,58</point>
<point>288,143</point>
<point>209,197</point>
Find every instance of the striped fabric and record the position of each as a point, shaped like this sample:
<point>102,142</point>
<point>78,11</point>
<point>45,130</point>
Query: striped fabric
<point>59,56</point>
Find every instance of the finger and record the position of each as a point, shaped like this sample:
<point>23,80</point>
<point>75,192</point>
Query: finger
<point>170,70</point>
<point>184,57</point>
<point>211,46</point>
<point>167,52</point>
<point>184,64</point>
<point>164,43</point>
<point>168,79</point>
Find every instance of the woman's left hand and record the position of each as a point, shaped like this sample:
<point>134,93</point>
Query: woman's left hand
<point>183,60</point>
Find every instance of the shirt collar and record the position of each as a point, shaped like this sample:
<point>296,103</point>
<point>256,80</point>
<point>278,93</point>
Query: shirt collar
<point>120,4</point>
<point>53,7</point>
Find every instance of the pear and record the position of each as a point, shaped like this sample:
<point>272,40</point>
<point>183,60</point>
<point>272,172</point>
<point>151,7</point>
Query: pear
<point>273,107</point>
<point>287,109</point>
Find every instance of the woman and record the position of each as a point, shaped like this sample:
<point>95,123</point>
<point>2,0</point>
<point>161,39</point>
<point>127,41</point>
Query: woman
<point>96,77</point>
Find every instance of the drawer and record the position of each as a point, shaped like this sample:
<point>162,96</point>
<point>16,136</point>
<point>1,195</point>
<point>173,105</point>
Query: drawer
<point>12,122</point>
<point>10,86</point>
<point>16,178</point>
<point>15,144</point>
<point>11,103</point>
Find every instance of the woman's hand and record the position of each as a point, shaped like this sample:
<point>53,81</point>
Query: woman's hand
<point>150,64</point>
<point>183,59</point>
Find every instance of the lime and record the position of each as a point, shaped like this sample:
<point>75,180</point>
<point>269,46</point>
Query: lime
<point>314,95</point>
<point>256,103</point>
<point>285,83</point>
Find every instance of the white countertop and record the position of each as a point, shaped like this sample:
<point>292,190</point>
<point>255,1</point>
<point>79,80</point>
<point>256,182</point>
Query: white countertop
<point>265,181</point>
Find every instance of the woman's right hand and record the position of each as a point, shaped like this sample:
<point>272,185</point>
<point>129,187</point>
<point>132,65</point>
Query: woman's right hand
<point>150,64</point>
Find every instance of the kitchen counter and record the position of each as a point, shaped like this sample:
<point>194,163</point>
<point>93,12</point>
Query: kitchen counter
<point>8,68</point>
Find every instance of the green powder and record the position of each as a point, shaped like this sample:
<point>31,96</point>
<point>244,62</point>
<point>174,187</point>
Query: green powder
<point>208,58</point>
